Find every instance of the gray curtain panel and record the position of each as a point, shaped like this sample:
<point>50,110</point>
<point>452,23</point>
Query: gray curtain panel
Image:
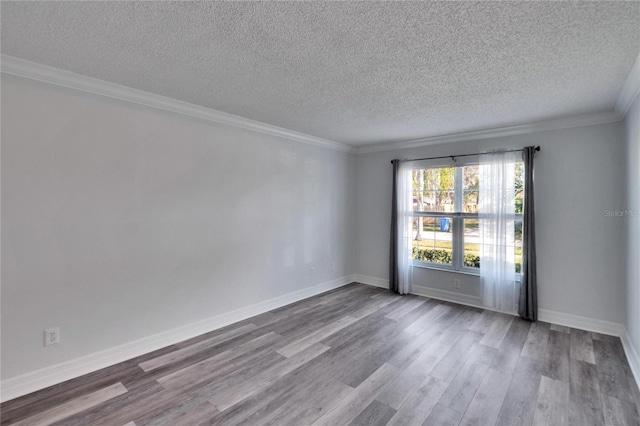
<point>528,306</point>
<point>394,282</point>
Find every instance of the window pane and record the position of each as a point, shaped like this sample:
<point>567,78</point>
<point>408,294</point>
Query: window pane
<point>518,246</point>
<point>470,186</point>
<point>432,239</point>
<point>519,186</point>
<point>471,243</point>
<point>433,189</point>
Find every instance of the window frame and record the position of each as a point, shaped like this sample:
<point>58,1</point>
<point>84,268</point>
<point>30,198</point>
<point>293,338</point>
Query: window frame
<point>457,216</point>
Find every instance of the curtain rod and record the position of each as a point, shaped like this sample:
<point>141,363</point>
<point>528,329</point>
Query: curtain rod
<point>453,157</point>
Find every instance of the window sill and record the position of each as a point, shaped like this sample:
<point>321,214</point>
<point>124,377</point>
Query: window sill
<point>453,271</point>
<point>443,269</point>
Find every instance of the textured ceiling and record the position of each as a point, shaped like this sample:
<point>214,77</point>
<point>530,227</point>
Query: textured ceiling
<point>357,73</point>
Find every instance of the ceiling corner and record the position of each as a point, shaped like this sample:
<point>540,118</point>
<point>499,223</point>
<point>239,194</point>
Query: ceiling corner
<point>630,90</point>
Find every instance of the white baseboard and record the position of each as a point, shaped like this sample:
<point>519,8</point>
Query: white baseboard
<point>449,296</point>
<point>30,382</point>
<point>376,282</point>
<point>632,355</point>
<point>554,317</point>
<point>580,322</point>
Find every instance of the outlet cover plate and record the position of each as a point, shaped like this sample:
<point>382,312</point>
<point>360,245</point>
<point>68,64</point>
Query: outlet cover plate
<point>52,336</point>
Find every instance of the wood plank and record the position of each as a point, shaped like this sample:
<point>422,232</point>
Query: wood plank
<point>450,364</point>
<point>298,398</point>
<point>494,336</point>
<point>612,371</point>
<point>556,360</point>
<point>357,371</point>
<point>351,406</point>
<point>456,324</point>
<point>190,393</point>
<point>582,346</point>
<point>560,328</point>
<point>185,413</point>
<point>258,320</point>
<point>585,405</point>
<point>463,387</point>
<point>419,404</point>
<point>508,353</point>
<point>27,405</point>
<point>372,355</point>
<point>298,326</point>
<point>315,337</point>
<point>403,310</point>
<point>374,306</point>
<point>417,346</point>
<point>130,398</point>
<point>483,323</point>
<point>74,406</point>
<point>367,340</point>
<point>552,403</point>
<point>213,366</point>
<point>376,413</point>
<point>201,415</point>
<point>195,348</point>
<point>619,412</point>
<point>304,408</point>
<point>414,315</point>
<point>427,320</point>
<point>616,386</point>
<point>468,317</point>
<point>310,406</point>
<point>356,332</point>
<point>369,371</point>
<point>413,376</point>
<point>535,346</point>
<point>519,404</point>
<point>487,402</point>
<point>241,390</point>
<point>361,293</point>
<point>604,337</point>
<point>635,391</point>
<point>443,416</point>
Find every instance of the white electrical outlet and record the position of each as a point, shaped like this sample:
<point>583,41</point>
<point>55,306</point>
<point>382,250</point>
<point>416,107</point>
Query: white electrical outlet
<point>52,336</point>
<point>456,283</point>
<point>312,271</point>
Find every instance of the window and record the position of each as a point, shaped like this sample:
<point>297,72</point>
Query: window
<point>446,226</point>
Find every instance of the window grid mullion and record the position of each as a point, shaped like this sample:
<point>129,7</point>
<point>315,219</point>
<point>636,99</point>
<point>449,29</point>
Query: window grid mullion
<point>458,190</point>
<point>457,221</point>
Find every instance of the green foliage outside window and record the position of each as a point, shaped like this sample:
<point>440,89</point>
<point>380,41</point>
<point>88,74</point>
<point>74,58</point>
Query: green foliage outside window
<point>444,256</point>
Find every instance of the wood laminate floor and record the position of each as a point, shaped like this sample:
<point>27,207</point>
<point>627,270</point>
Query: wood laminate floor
<point>358,355</point>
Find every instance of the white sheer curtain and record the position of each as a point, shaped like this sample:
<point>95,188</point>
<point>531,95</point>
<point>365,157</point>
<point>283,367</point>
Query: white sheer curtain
<point>497,227</point>
<point>405,227</point>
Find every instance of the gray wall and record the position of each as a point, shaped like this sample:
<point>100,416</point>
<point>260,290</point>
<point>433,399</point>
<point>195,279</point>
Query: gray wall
<point>632,122</point>
<point>122,221</point>
<point>580,173</point>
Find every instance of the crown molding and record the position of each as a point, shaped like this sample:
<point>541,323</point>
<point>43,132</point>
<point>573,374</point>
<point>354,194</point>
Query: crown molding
<point>630,90</point>
<point>519,129</point>
<point>44,73</point>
